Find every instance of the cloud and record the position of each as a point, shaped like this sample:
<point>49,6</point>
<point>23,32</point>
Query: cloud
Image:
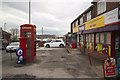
<point>13,17</point>
<point>54,15</point>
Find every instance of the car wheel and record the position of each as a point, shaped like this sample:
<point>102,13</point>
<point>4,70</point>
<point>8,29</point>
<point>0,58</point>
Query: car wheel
<point>61,45</point>
<point>47,46</point>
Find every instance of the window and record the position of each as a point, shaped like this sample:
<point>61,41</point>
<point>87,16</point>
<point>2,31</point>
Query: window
<point>89,15</point>
<point>97,38</point>
<point>102,38</point>
<point>92,37</point>
<point>81,38</point>
<point>87,38</point>
<point>58,40</point>
<point>77,23</point>
<point>81,20</point>
<point>101,6</point>
<point>108,38</point>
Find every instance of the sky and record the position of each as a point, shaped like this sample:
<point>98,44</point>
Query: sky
<point>54,16</point>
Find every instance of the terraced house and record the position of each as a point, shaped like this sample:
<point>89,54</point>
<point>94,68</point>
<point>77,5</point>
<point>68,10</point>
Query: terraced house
<point>97,29</point>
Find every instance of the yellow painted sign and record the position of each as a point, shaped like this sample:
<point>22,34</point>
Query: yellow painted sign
<point>95,23</point>
<point>75,29</point>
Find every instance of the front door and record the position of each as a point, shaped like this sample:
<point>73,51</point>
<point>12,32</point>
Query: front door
<point>117,43</point>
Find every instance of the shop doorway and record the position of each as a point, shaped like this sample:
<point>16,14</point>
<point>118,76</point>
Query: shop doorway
<point>117,43</point>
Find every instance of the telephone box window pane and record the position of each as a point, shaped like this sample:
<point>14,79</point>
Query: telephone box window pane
<point>97,38</point>
<point>108,38</point>
<point>102,38</point>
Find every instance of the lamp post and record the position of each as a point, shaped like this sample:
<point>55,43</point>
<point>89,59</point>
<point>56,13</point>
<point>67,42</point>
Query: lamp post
<point>5,25</point>
<point>29,12</point>
<point>42,33</point>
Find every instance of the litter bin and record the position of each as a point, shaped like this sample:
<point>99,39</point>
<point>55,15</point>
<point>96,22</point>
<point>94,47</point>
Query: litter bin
<point>73,45</point>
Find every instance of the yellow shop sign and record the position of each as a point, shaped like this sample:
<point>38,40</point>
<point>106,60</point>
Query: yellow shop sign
<point>95,23</point>
<point>75,29</point>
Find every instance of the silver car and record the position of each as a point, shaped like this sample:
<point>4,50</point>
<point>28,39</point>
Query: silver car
<point>12,47</point>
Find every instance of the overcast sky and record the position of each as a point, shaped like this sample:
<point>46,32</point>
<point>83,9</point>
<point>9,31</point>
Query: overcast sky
<point>54,16</point>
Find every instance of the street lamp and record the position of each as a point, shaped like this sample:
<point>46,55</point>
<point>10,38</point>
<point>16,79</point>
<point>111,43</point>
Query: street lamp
<point>29,11</point>
<point>5,25</point>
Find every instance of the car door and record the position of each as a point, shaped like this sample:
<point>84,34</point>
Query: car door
<point>52,43</point>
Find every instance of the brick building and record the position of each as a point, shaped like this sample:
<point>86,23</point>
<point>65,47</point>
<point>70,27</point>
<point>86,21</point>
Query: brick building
<point>97,29</point>
<point>5,38</point>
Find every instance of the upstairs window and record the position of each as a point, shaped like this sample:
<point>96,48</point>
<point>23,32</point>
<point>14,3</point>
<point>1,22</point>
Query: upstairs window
<point>89,15</point>
<point>77,23</point>
<point>81,20</point>
<point>101,6</point>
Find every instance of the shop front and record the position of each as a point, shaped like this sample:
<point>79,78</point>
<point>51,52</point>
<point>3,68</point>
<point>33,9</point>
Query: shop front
<point>102,34</point>
<point>81,38</point>
<point>74,40</point>
<point>75,36</point>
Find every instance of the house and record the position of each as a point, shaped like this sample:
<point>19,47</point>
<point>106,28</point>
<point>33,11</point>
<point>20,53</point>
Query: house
<point>97,29</point>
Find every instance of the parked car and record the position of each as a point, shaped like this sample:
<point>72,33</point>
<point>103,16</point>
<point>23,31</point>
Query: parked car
<point>55,43</point>
<point>12,47</point>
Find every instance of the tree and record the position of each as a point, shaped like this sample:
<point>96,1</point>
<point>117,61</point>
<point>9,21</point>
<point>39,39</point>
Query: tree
<point>15,33</point>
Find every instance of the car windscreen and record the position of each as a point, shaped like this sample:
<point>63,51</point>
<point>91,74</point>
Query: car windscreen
<point>14,44</point>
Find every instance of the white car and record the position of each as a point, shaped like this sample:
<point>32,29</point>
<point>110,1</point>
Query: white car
<point>55,43</point>
<point>12,47</point>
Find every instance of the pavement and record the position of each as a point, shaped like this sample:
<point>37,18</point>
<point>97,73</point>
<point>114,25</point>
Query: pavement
<point>53,63</point>
<point>96,65</point>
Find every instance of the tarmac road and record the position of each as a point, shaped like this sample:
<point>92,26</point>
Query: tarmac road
<point>51,63</point>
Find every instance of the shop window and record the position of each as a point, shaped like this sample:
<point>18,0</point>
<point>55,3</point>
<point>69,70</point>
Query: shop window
<point>93,38</point>
<point>81,38</point>
<point>90,38</point>
<point>97,38</point>
<point>87,38</point>
<point>102,38</point>
<point>108,38</point>
<point>101,6</point>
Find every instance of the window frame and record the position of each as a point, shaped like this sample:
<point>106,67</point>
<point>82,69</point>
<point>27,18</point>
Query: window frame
<point>101,6</point>
<point>88,15</point>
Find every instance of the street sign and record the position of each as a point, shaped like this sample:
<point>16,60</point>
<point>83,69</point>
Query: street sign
<point>109,67</point>
<point>19,54</point>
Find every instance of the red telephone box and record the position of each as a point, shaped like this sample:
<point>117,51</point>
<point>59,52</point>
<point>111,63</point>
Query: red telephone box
<point>27,41</point>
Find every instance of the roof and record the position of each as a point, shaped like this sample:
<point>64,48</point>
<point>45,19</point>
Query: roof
<point>83,12</point>
<point>4,32</point>
<point>27,25</point>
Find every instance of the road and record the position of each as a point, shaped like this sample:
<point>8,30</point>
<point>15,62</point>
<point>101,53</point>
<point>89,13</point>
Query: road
<point>50,63</point>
